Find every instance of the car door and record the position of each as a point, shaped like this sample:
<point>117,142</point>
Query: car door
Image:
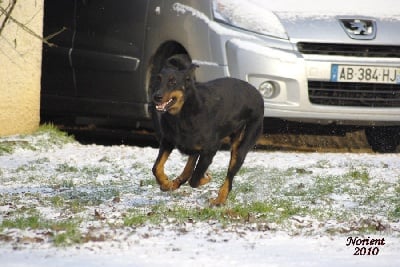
<point>57,72</point>
<point>108,50</point>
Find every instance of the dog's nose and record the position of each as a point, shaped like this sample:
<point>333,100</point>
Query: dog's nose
<point>157,97</point>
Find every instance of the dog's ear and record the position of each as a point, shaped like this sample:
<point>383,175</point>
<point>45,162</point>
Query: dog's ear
<point>190,71</point>
<point>193,67</point>
<point>178,62</point>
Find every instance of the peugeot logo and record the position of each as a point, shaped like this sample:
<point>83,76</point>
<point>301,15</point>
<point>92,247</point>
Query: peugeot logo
<point>359,29</point>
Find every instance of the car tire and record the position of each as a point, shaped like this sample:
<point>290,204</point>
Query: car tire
<point>383,139</point>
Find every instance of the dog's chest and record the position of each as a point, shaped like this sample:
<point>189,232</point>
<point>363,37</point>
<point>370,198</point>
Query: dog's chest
<point>188,142</point>
<point>189,138</point>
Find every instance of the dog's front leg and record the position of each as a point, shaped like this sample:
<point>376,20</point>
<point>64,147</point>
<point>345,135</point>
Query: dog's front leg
<point>187,171</point>
<point>158,168</point>
<point>200,177</point>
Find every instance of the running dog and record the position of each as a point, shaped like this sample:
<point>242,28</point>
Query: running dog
<point>195,117</point>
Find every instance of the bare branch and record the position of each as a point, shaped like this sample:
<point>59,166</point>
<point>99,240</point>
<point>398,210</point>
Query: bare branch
<point>9,17</point>
<point>51,36</point>
<point>7,14</point>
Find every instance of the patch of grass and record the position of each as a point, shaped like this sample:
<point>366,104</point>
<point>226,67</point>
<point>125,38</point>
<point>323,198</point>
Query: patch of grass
<point>182,214</point>
<point>78,200</point>
<point>55,135</point>
<point>135,219</point>
<point>322,198</point>
<point>57,201</point>
<point>161,213</point>
<point>298,171</point>
<point>67,233</point>
<point>66,168</point>
<point>26,168</point>
<point>31,222</point>
<point>46,136</point>
<point>277,211</point>
<point>138,217</point>
<point>92,171</point>
<point>40,161</point>
<point>68,183</point>
<point>374,195</point>
<point>64,232</point>
<point>287,209</point>
<point>362,175</point>
<point>242,188</point>
<point>323,186</point>
<point>65,202</point>
<point>75,206</point>
<point>242,171</point>
<point>148,182</point>
<point>87,172</point>
<point>394,213</point>
<point>64,184</point>
<point>323,164</point>
<point>7,147</point>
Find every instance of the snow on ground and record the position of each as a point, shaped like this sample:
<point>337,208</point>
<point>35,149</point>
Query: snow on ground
<point>302,208</point>
<point>190,250</point>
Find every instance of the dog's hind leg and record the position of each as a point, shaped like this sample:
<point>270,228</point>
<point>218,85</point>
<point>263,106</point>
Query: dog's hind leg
<point>242,142</point>
<point>234,166</point>
<point>187,171</point>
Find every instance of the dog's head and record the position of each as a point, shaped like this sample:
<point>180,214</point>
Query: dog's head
<point>173,85</point>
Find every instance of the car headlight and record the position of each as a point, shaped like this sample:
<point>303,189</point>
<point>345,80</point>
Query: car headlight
<point>248,16</point>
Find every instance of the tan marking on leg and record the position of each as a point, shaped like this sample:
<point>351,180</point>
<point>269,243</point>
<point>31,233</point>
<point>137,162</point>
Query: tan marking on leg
<point>222,195</point>
<point>161,177</point>
<point>234,148</point>
<point>225,188</point>
<point>205,179</point>
<point>186,173</point>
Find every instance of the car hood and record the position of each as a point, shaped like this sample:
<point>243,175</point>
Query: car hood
<point>311,21</point>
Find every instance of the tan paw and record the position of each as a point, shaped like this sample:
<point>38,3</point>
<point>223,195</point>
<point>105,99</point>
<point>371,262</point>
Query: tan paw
<point>205,179</point>
<point>169,186</point>
<point>217,201</point>
<point>222,195</point>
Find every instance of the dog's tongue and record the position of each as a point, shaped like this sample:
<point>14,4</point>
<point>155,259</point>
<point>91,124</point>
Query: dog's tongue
<point>163,106</point>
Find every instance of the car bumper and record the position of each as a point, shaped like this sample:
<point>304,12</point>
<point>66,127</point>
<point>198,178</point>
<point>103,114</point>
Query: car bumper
<point>289,72</point>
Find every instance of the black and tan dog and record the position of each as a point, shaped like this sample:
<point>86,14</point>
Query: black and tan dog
<point>196,117</point>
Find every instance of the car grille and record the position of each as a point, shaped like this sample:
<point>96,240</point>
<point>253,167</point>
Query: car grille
<point>354,50</point>
<point>354,94</point>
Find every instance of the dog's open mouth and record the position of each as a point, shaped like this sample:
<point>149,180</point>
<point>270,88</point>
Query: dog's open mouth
<point>164,106</point>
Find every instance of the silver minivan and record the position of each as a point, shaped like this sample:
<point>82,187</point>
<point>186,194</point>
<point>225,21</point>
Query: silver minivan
<point>327,62</point>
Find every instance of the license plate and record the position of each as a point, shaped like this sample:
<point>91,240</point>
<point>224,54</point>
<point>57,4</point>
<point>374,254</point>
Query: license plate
<point>365,74</point>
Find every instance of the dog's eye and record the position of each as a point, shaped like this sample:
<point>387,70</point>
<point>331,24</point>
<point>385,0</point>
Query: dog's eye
<point>172,82</point>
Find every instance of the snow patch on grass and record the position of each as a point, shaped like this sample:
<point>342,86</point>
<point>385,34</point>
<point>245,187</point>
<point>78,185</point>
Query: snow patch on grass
<point>55,192</point>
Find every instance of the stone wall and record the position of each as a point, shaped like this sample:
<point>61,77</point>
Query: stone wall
<point>20,67</point>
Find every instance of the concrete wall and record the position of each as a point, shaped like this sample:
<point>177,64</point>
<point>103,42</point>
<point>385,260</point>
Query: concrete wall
<point>20,69</point>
